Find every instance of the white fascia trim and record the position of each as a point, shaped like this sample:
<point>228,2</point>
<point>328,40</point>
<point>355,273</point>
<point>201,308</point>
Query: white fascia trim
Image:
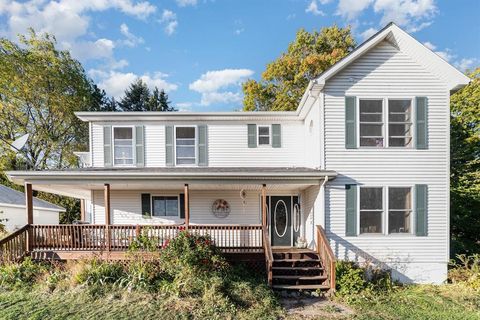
<point>34,207</point>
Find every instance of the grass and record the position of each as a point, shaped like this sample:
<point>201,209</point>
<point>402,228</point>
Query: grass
<point>419,302</point>
<point>412,302</point>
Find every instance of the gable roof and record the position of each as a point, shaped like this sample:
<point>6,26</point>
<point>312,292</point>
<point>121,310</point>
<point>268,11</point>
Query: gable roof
<point>453,78</point>
<point>11,197</point>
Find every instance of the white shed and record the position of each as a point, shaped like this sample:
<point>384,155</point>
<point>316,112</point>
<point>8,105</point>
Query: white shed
<point>12,208</point>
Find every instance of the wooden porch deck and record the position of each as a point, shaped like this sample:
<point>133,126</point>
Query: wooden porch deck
<point>71,241</point>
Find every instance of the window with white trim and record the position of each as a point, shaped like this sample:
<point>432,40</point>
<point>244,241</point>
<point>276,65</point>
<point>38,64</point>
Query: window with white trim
<point>371,210</point>
<point>185,145</point>
<point>399,122</point>
<point>165,206</point>
<point>399,209</point>
<point>371,123</point>
<point>123,145</point>
<point>263,135</point>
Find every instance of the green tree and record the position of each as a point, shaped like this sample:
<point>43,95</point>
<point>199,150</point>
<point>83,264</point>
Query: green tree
<point>465,167</point>
<point>40,89</point>
<point>285,79</point>
<point>137,97</point>
<point>159,101</point>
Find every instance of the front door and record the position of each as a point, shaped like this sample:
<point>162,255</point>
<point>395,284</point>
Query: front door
<point>280,208</point>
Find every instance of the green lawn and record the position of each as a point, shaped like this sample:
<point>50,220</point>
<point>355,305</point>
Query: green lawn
<point>413,302</point>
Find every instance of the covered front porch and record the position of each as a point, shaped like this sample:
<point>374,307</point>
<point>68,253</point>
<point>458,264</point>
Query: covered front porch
<point>244,212</point>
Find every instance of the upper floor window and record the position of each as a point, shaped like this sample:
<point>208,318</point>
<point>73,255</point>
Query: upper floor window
<point>185,145</point>
<point>263,135</point>
<point>399,123</point>
<point>371,123</point>
<point>123,146</point>
<point>398,128</point>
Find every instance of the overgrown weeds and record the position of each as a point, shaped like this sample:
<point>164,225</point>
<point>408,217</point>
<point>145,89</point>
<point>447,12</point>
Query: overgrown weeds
<point>465,270</point>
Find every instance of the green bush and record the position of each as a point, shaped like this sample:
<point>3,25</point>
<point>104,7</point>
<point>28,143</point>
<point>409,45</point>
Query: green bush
<point>465,270</point>
<point>144,242</point>
<point>21,274</point>
<point>350,278</point>
<point>99,272</point>
<point>191,251</point>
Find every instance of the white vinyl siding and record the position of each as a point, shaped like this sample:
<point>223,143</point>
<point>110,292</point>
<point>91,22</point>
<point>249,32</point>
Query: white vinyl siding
<point>387,72</point>
<point>227,145</point>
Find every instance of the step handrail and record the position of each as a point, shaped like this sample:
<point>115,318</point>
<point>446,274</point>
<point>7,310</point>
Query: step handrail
<point>268,256</point>
<point>326,255</point>
<point>14,247</point>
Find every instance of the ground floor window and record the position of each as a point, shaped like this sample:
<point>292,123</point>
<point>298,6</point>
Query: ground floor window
<point>381,214</point>
<point>399,210</point>
<point>165,206</point>
<point>371,210</point>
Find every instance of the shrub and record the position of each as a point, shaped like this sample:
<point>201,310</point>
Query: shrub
<point>466,270</point>
<point>99,272</point>
<point>191,251</point>
<point>141,273</point>
<point>144,242</point>
<point>20,274</point>
<point>350,278</point>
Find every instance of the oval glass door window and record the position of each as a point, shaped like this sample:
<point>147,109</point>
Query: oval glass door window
<point>296,218</point>
<point>281,218</point>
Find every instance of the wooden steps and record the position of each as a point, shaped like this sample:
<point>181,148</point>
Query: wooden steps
<point>298,269</point>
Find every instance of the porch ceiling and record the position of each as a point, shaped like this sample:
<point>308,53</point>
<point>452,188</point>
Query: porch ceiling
<point>79,182</point>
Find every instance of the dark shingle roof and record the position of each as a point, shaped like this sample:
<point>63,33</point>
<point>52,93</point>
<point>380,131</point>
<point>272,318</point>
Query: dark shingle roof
<point>14,197</point>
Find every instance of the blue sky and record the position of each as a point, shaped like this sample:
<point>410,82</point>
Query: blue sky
<point>200,51</point>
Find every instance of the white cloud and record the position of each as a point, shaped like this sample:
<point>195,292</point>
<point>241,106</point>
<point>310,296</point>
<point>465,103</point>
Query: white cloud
<point>368,33</point>
<point>350,9</point>
<point>184,106</point>
<point>291,16</point>
<point>239,31</point>
<point>430,45</point>
<point>466,64</point>
<point>130,40</point>
<point>184,3</point>
<point>313,9</point>
<point>414,15</point>
<point>114,83</point>
<point>169,19</point>
<point>69,21</point>
<point>446,55</point>
<point>220,86</point>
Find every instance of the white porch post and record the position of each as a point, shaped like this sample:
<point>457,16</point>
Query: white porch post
<point>187,206</point>
<point>264,205</point>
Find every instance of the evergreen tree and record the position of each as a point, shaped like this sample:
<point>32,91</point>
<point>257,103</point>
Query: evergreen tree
<point>137,97</point>
<point>159,101</point>
<point>98,98</point>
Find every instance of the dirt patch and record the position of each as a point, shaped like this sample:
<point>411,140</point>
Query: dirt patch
<point>311,307</point>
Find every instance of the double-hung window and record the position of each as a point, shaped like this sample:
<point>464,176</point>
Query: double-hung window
<point>371,123</point>
<point>399,210</point>
<point>165,206</point>
<point>379,131</point>
<point>185,145</point>
<point>399,123</point>
<point>371,210</point>
<point>263,135</point>
<point>123,146</point>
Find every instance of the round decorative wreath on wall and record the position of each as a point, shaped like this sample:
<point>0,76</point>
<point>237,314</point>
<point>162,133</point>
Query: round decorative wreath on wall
<point>221,208</point>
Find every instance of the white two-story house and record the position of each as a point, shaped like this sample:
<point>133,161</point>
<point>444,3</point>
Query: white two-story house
<point>365,157</point>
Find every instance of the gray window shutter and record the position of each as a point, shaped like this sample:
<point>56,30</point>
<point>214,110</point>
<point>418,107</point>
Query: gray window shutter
<point>202,145</point>
<point>421,126</point>
<point>140,146</point>
<point>350,122</point>
<point>421,196</point>
<point>107,146</point>
<point>169,161</point>
<point>182,205</point>
<point>146,205</point>
<point>276,136</point>
<point>252,135</point>
<point>350,210</point>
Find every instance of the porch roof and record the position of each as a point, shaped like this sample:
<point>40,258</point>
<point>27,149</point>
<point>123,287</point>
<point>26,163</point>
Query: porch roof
<point>78,182</point>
